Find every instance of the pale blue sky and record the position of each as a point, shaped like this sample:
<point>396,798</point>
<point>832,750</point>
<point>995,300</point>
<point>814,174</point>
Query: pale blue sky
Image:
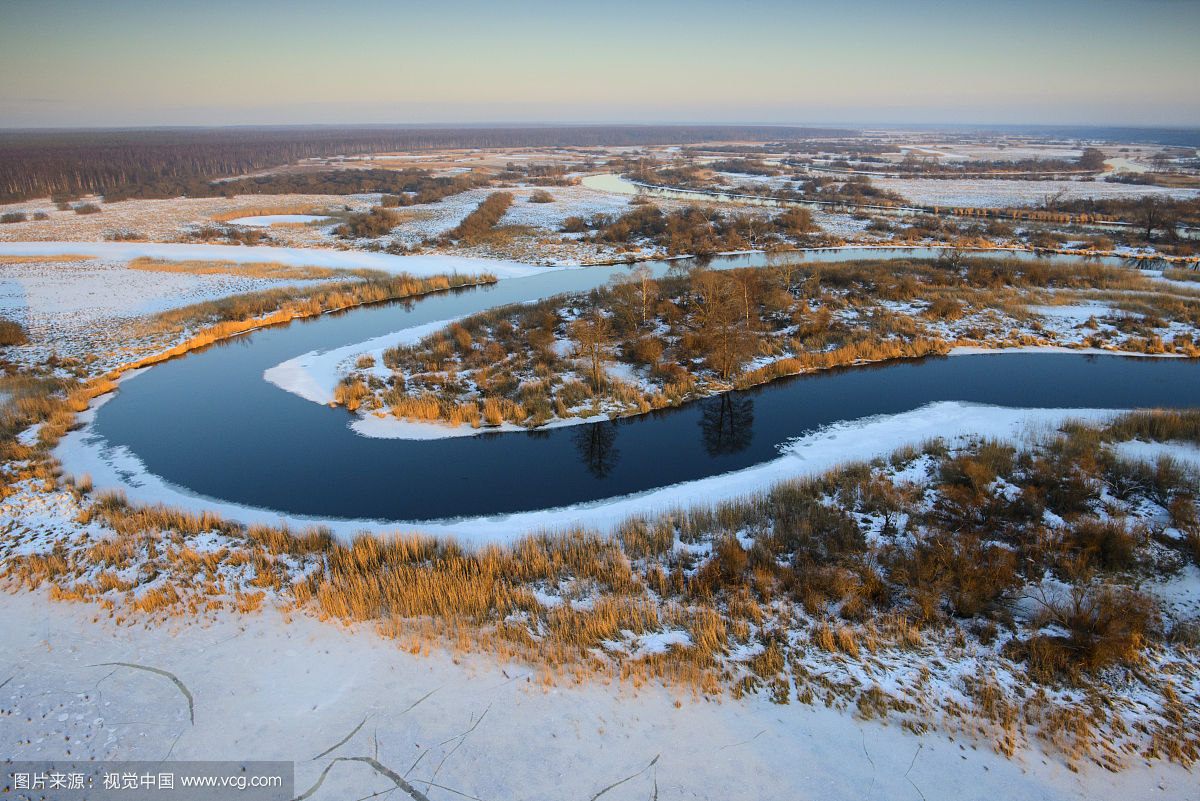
<point>135,62</point>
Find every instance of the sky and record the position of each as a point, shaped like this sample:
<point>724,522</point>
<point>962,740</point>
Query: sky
<point>71,63</point>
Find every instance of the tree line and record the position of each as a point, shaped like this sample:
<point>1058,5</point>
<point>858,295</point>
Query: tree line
<point>41,163</point>
<point>697,230</point>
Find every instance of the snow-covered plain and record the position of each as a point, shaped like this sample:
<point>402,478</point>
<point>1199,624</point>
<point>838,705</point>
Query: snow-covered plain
<point>277,686</point>
<point>301,257</point>
<point>92,307</point>
<point>988,193</point>
<point>274,219</point>
<point>171,219</point>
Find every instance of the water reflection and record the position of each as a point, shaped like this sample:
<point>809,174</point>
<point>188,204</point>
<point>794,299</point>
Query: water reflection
<point>726,424</point>
<point>596,445</point>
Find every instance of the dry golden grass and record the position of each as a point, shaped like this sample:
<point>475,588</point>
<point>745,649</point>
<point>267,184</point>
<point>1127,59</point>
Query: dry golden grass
<point>65,257</point>
<point>429,407</point>
<point>859,352</point>
<point>265,211</point>
<point>430,593</point>
<point>270,270</point>
<point>808,569</point>
<point>228,317</point>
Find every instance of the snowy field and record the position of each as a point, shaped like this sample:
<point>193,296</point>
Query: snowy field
<point>418,266</point>
<point>987,152</point>
<point>434,219</point>
<point>987,193</point>
<point>80,308</point>
<point>278,686</point>
<point>92,306</point>
<point>261,221</point>
<point>569,201</point>
<point>170,220</point>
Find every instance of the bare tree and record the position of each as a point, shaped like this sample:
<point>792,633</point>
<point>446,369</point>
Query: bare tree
<point>1155,212</point>
<point>647,290</point>
<point>593,343</point>
<point>719,316</point>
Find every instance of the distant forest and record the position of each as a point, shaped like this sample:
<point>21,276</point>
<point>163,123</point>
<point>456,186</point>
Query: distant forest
<point>169,162</point>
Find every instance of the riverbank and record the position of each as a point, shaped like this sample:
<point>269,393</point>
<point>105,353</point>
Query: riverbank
<point>806,316</point>
<point>82,452</point>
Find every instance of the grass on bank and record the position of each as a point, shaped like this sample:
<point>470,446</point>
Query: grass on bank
<point>645,343</point>
<point>1026,562</point>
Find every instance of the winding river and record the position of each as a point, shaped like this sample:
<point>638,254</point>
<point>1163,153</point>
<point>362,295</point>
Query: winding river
<point>209,423</point>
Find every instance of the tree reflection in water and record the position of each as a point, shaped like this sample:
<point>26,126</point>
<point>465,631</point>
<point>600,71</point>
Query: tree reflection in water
<point>596,445</point>
<point>727,423</point>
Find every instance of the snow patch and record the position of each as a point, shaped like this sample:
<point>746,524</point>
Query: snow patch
<point>272,219</point>
<point>419,266</point>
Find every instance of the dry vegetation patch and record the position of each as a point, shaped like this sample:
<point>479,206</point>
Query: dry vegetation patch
<point>997,590</point>
<point>644,343</point>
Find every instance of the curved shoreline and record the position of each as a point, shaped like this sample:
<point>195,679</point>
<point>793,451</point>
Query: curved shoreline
<point>814,453</point>
<point>117,465</point>
<point>314,375</point>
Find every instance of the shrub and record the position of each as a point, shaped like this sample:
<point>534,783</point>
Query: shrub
<point>646,350</point>
<point>796,221</point>
<point>13,217</point>
<point>970,576</point>
<point>12,333</point>
<point>123,235</point>
<point>541,196</point>
<point>1105,626</point>
<point>374,223</point>
<point>1108,544</point>
<point>350,392</point>
<point>87,208</point>
<point>1160,481</point>
<point>944,309</point>
<point>484,218</point>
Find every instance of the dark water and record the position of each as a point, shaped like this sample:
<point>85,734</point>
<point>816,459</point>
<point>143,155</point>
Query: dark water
<point>211,424</point>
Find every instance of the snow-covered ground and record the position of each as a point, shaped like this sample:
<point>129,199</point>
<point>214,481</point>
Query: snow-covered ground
<point>301,257</point>
<point>1181,452</point>
<point>435,219</point>
<point>314,375</point>
<point>278,686</point>
<point>980,152</point>
<point>1073,314</point>
<point>569,201</point>
<point>169,220</point>
<point>274,219</point>
<point>92,306</point>
<point>987,193</point>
